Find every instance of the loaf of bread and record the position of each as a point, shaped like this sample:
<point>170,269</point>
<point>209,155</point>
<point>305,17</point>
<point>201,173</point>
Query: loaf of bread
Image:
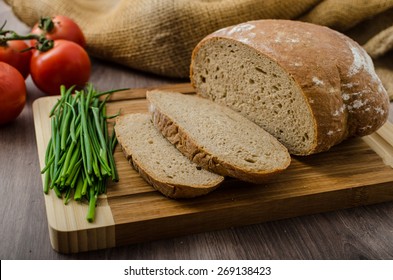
<point>159,162</point>
<point>217,138</point>
<point>309,86</point>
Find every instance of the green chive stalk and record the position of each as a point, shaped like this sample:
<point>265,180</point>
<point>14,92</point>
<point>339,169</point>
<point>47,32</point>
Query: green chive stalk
<point>79,156</point>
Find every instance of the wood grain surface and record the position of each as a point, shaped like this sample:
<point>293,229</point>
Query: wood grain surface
<point>364,232</point>
<point>349,175</point>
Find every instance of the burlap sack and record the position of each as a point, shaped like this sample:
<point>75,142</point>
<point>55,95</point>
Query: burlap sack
<point>159,36</point>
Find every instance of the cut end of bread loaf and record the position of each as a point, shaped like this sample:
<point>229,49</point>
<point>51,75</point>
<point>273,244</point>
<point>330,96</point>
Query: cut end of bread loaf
<point>307,85</point>
<point>254,85</point>
<point>217,138</point>
<point>159,162</point>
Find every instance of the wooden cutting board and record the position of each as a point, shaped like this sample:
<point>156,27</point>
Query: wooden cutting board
<point>349,175</point>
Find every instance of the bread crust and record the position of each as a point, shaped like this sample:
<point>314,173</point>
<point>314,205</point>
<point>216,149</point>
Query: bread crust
<point>168,189</point>
<point>175,191</point>
<point>336,76</point>
<point>197,154</point>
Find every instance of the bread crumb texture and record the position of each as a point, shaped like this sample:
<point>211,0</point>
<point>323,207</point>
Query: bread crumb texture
<point>216,137</point>
<point>159,162</point>
<point>309,86</point>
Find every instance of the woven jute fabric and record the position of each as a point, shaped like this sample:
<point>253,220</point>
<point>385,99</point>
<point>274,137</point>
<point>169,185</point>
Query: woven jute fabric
<point>158,36</point>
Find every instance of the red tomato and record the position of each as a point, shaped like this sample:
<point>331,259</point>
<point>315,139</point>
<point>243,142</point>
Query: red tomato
<point>64,28</point>
<point>66,63</point>
<point>12,93</point>
<point>12,54</point>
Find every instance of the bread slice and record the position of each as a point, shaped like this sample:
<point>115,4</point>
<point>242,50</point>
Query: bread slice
<point>309,86</point>
<point>216,137</point>
<point>159,162</point>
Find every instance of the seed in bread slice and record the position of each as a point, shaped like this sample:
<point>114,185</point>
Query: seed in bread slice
<point>159,162</point>
<point>216,137</point>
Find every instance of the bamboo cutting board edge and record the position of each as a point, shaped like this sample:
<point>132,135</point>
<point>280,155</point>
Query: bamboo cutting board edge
<point>70,233</point>
<point>129,233</point>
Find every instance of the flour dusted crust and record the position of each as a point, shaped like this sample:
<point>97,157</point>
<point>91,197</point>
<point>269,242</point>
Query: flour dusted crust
<point>337,77</point>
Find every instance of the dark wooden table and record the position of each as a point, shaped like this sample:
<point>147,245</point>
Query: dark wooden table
<point>358,233</point>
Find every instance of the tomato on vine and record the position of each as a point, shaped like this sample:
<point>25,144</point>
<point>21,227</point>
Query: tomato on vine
<point>59,27</point>
<point>12,93</point>
<point>66,63</point>
<point>15,53</point>
<point>54,62</point>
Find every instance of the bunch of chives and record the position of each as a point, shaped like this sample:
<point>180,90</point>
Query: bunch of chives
<point>79,156</point>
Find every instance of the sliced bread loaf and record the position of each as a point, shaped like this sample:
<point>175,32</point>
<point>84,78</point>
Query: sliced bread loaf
<point>309,86</point>
<point>159,162</point>
<point>216,137</point>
